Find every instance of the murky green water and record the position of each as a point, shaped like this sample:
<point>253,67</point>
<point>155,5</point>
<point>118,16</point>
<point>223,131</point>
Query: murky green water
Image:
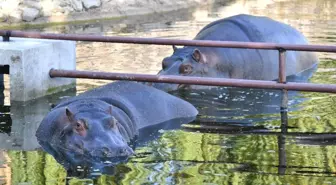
<point>237,137</point>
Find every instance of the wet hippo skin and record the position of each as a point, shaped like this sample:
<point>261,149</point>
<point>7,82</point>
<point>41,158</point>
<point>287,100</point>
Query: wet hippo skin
<point>99,124</point>
<point>238,63</point>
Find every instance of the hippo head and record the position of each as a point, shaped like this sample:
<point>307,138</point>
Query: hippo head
<point>184,62</point>
<point>87,138</point>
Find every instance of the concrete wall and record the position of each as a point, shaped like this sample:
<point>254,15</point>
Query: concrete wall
<point>30,61</point>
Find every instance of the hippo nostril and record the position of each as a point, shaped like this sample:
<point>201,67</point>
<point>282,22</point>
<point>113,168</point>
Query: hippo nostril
<point>128,151</point>
<point>79,147</point>
<point>123,151</point>
<point>183,86</point>
<point>105,151</point>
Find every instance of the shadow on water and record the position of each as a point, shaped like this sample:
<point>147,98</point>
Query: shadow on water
<point>20,121</point>
<point>240,109</point>
<point>233,111</point>
<point>94,169</point>
<point>237,112</point>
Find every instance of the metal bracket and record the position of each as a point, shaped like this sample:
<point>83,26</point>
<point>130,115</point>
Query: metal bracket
<point>280,49</point>
<point>4,69</point>
<point>6,37</point>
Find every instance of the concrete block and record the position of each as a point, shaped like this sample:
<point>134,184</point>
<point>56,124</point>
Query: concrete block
<point>30,61</point>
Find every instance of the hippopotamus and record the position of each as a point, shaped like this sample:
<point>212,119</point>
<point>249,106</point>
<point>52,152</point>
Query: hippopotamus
<point>98,125</point>
<point>237,63</point>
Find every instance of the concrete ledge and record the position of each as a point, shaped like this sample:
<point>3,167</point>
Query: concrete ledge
<point>30,61</point>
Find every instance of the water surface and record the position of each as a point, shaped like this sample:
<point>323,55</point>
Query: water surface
<point>236,138</point>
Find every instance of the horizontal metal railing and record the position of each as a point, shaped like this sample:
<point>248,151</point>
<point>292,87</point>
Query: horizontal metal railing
<point>160,41</point>
<point>281,84</point>
<point>193,80</point>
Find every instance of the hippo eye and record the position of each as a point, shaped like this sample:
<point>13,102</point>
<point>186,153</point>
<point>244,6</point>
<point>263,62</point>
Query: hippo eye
<point>80,125</point>
<point>185,69</point>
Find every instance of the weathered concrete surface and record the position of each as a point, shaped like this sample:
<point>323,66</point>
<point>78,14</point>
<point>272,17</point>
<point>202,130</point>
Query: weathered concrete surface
<point>13,11</point>
<point>30,61</point>
<point>29,14</point>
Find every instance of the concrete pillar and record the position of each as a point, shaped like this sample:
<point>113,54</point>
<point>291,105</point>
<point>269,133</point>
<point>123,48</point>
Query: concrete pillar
<point>30,61</point>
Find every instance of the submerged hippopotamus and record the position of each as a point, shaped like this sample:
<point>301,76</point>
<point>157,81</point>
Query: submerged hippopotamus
<point>98,125</point>
<point>238,63</point>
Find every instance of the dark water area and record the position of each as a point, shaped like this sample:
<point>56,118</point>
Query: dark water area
<point>238,136</point>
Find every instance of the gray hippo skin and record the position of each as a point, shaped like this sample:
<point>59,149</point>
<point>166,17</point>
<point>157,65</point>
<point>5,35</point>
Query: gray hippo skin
<point>238,63</point>
<point>99,124</point>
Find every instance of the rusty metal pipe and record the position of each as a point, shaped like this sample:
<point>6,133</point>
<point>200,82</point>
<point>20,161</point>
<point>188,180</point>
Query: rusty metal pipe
<point>158,41</point>
<point>282,66</point>
<point>283,80</point>
<point>193,80</point>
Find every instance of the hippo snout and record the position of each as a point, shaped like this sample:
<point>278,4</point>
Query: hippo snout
<point>165,86</point>
<point>105,152</point>
<point>147,83</point>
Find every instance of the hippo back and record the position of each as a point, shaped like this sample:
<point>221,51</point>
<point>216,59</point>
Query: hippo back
<point>255,28</point>
<point>248,28</point>
<point>144,105</point>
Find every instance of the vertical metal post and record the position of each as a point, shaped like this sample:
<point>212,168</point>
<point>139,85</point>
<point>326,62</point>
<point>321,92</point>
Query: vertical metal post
<point>284,97</point>
<point>283,114</point>
<point>6,37</point>
<point>282,154</point>
<point>4,69</point>
<point>282,66</point>
<point>283,111</point>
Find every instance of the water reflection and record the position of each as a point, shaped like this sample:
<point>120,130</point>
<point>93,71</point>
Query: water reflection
<point>21,124</point>
<point>247,144</point>
<point>83,167</point>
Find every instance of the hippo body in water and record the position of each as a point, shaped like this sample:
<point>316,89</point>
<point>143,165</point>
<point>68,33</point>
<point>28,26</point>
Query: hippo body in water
<point>98,125</point>
<point>238,63</point>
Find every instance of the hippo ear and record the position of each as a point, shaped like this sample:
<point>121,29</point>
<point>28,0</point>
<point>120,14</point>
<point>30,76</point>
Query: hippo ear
<point>114,123</point>
<point>197,55</point>
<point>174,48</point>
<point>69,114</point>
